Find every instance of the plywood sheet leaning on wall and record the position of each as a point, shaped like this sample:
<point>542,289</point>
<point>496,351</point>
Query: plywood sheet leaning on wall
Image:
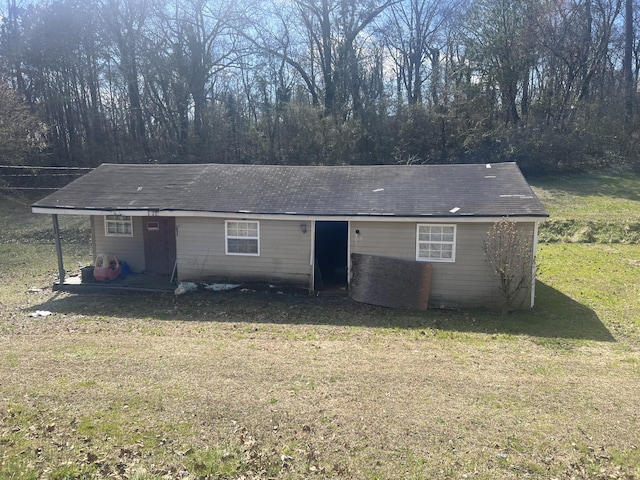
<point>390,282</point>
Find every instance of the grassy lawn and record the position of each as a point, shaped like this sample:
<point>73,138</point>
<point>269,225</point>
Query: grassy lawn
<point>591,208</point>
<point>250,385</point>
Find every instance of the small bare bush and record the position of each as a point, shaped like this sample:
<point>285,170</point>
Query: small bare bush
<point>508,251</point>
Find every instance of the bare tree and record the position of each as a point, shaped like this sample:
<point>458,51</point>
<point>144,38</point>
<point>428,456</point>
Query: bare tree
<point>628,58</point>
<point>327,41</point>
<point>412,37</point>
<point>575,42</point>
<point>538,82</point>
<point>12,45</point>
<point>22,134</point>
<point>125,23</point>
<point>500,47</point>
<point>508,250</point>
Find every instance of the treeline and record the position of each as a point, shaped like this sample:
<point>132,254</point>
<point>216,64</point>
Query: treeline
<point>551,84</point>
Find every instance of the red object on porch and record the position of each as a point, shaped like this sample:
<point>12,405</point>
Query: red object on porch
<point>107,267</point>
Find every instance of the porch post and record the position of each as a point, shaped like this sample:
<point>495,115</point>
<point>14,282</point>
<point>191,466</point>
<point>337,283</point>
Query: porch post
<point>56,234</point>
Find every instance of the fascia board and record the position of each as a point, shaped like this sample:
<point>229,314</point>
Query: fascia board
<point>364,217</point>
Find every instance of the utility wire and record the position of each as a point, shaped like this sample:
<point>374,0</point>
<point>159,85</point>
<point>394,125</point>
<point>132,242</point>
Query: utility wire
<point>23,175</point>
<point>28,188</point>
<point>28,167</point>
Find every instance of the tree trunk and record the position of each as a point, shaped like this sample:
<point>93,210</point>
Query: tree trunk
<point>628,58</point>
<point>327,65</point>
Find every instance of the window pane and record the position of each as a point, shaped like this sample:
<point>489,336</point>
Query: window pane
<point>240,245</point>
<point>242,229</point>
<point>436,242</point>
<point>233,245</point>
<point>250,246</point>
<point>242,237</point>
<point>447,234</point>
<point>118,225</point>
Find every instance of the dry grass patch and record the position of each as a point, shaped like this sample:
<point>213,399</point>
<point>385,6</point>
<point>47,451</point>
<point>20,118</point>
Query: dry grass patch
<point>261,388</point>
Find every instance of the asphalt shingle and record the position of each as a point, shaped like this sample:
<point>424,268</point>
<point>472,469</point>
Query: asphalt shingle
<point>402,191</point>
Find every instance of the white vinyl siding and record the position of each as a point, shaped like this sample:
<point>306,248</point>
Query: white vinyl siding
<point>118,226</point>
<point>242,238</point>
<point>436,243</point>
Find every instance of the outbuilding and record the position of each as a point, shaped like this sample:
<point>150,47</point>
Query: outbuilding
<point>305,226</point>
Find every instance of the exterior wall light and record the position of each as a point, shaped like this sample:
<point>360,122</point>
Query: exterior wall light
<point>303,227</point>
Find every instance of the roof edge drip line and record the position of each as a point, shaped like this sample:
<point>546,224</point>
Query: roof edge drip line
<point>463,218</point>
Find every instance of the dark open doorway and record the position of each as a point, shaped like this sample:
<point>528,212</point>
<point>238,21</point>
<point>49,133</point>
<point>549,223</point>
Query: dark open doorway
<point>331,248</point>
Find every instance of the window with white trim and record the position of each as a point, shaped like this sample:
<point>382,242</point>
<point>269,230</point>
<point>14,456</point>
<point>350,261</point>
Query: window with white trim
<point>242,237</point>
<point>436,243</point>
<point>118,226</point>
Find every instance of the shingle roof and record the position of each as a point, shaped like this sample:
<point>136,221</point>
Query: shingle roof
<point>403,191</point>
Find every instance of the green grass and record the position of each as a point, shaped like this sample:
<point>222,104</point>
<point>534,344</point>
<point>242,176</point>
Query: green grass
<point>590,197</point>
<point>593,284</point>
<point>590,248</point>
<point>230,385</point>
<point>590,208</point>
<point>27,228</point>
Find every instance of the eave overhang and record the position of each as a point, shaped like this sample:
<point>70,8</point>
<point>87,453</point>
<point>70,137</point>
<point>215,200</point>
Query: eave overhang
<point>245,214</point>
